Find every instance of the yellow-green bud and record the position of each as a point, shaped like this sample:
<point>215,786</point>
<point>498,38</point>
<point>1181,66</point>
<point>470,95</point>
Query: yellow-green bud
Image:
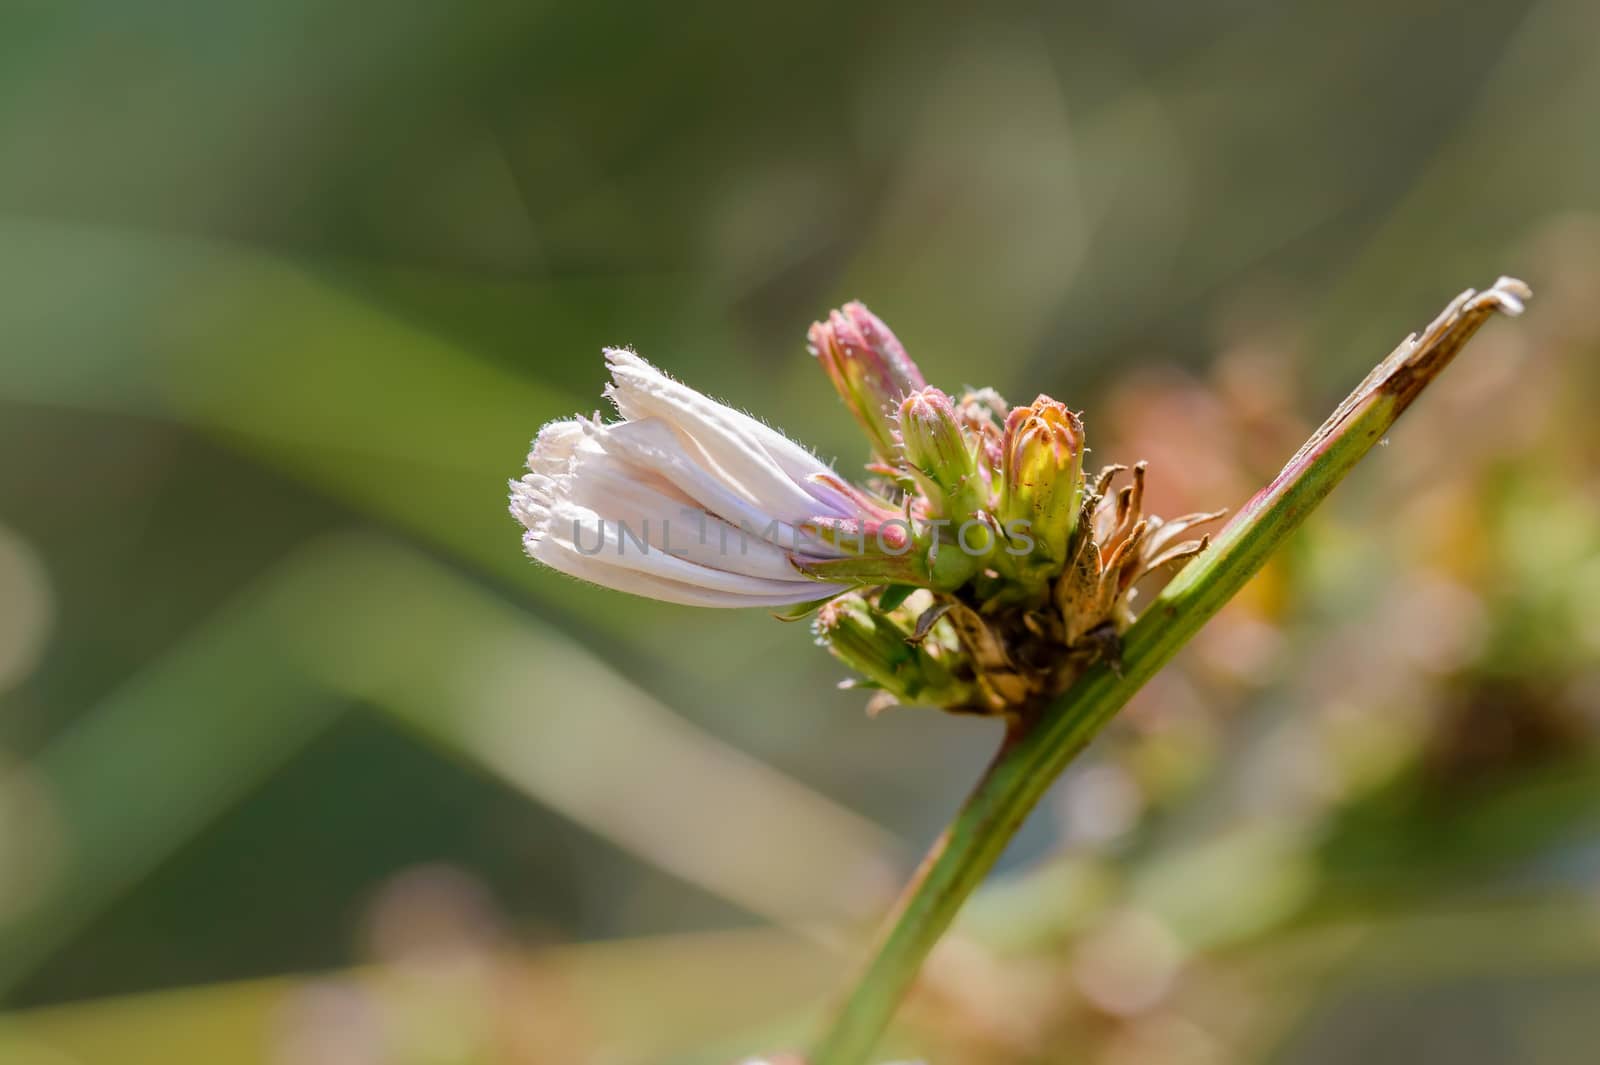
<point>1041,486</point>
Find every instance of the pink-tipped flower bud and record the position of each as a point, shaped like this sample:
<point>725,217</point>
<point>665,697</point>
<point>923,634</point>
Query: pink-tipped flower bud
<point>868,367</point>
<point>983,415</point>
<point>1042,476</point>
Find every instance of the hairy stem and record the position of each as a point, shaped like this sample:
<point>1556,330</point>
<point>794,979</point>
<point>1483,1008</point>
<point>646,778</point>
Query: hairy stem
<point>1034,755</point>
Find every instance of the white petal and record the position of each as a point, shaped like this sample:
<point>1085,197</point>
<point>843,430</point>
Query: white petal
<point>765,466</point>
<point>653,510</point>
<point>573,533</point>
<point>562,557</point>
<point>650,443</point>
<point>529,503</point>
<point>553,447</point>
<point>597,537</point>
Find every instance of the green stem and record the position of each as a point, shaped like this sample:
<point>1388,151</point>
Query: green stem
<point>1035,754</point>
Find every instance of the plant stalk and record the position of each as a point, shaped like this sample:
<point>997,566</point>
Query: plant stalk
<point>1035,753</point>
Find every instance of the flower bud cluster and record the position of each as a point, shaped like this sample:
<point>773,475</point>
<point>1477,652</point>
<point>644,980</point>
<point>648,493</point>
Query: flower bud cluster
<point>1027,569</point>
<point>974,569</point>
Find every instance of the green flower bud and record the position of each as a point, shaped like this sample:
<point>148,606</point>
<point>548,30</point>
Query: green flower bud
<point>869,368</point>
<point>939,455</point>
<point>875,645</point>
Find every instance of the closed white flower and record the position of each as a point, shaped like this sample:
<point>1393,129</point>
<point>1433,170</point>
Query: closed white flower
<point>685,499</point>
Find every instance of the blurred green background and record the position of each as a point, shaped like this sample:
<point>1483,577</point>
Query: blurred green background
<point>302,763</point>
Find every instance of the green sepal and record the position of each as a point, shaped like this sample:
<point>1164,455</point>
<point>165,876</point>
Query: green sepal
<point>894,596</point>
<point>801,611</point>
